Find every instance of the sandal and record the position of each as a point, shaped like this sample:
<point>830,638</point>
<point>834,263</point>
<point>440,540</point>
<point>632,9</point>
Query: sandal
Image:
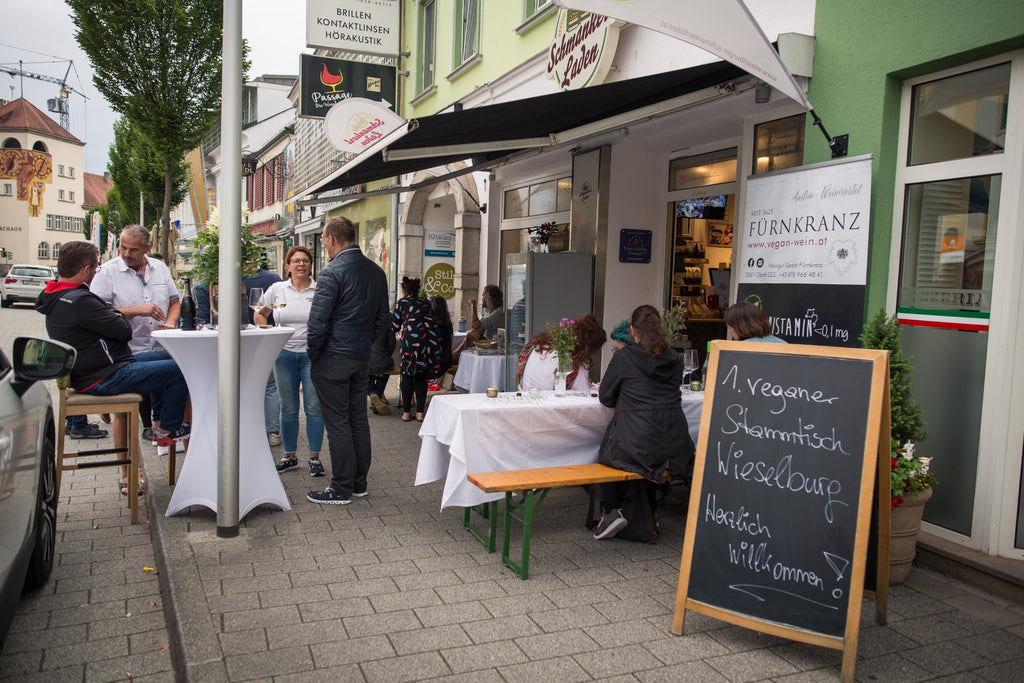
<point>122,488</point>
<point>419,417</point>
<point>406,417</point>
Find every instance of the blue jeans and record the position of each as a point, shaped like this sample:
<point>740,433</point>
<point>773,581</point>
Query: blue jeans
<point>271,406</point>
<point>155,374</point>
<point>341,386</point>
<point>292,369</point>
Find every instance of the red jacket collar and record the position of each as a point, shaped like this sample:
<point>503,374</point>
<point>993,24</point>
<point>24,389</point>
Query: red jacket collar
<point>54,286</point>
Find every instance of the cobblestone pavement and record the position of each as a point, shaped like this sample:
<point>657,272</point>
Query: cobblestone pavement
<point>390,588</point>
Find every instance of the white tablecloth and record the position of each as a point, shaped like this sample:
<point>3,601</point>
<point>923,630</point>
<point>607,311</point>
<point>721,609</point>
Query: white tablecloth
<point>479,371</point>
<point>470,433</point>
<point>258,480</point>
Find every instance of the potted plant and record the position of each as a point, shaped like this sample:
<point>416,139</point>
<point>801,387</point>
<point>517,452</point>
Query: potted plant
<point>674,320</point>
<point>911,479</point>
<point>206,257</point>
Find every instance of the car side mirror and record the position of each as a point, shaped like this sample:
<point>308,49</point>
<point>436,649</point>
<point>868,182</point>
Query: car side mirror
<point>36,360</point>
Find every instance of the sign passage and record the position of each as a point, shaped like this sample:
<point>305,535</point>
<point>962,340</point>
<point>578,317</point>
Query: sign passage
<point>778,523</point>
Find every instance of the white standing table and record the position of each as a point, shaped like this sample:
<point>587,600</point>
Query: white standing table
<point>467,433</point>
<point>258,480</point>
<point>477,371</point>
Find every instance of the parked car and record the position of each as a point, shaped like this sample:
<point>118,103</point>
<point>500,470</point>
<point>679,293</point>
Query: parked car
<point>23,283</point>
<point>28,475</point>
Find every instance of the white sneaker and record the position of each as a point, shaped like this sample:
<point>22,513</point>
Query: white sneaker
<point>163,450</point>
<point>274,438</point>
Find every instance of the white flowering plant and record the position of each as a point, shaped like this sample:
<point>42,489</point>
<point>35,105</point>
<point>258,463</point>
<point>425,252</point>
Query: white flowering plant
<point>910,473</point>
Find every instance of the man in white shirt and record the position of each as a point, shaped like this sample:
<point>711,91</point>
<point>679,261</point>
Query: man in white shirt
<point>142,289</point>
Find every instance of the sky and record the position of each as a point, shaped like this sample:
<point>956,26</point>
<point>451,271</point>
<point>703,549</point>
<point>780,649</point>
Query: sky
<point>41,34</point>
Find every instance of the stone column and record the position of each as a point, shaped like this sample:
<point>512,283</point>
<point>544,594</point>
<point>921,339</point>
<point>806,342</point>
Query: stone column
<point>467,261</point>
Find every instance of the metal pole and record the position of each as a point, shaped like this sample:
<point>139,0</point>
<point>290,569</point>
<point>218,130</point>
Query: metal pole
<point>142,210</point>
<point>230,273</point>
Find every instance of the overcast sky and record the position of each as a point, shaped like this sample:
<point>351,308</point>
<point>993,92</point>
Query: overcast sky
<point>40,33</point>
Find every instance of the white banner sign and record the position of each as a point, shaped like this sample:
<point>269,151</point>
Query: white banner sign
<point>724,28</point>
<point>807,226</point>
<point>369,26</point>
<point>355,124</point>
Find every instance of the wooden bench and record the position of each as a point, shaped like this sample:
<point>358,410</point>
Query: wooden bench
<point>534,484</point>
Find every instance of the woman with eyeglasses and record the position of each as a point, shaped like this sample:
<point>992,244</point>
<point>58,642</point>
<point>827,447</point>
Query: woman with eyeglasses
<point>290,301</point>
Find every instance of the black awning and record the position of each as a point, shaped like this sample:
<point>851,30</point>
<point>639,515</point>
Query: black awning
<point>531,118</point>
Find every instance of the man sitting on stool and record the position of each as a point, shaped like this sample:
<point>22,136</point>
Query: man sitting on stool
<point>100,333</point>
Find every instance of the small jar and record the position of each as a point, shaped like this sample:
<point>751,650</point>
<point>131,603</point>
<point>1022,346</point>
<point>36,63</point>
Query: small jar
<point>492,392</point>
<point>695,385</point>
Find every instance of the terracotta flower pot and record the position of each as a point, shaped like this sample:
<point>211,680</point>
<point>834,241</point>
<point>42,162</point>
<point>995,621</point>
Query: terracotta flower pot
<point>905,526</point>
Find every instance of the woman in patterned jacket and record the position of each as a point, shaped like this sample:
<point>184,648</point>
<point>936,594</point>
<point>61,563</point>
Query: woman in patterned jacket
<point>421,347</point>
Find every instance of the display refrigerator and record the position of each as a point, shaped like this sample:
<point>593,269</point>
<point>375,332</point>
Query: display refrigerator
<point>542,288</point>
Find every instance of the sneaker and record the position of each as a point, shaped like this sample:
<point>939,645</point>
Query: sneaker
<point>147,435</point>
<point>177,436</point>
<point>274,438</point>
<point>316,468</point>
<point>286,463</point>
<point>359,494</point>
<point>327,496</point>
<point>378,405</point>
<point>163,450</point>
<point>611,523</point>
<point>90,431</point>
<point>67,427</point>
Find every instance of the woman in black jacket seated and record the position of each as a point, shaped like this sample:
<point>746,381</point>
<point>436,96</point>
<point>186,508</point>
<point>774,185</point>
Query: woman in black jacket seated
<point>648,433</point>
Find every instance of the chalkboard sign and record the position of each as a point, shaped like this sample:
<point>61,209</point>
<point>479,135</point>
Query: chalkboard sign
<point>778,522</point>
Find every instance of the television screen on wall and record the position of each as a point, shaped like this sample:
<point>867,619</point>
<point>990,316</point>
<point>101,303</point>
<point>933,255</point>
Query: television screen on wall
<point>712,207</point>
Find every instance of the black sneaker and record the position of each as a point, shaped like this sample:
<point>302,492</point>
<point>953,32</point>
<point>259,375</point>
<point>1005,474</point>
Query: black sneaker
<point>67,427</point>
<point>88,432</point>
<point>177,436</point>
<point>327,496</point>
<point>147,434</point>
<point>286,463</point>
<point>316,468</point>
<point>611,523</point>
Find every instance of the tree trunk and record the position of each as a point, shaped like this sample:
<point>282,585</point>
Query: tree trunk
<point>165,215</point>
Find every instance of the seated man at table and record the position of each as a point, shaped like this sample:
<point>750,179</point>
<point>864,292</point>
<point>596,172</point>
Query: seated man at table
<point>100,333</point>
<point>486,327</point>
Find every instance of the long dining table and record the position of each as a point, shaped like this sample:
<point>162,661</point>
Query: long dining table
<point>464,433</point>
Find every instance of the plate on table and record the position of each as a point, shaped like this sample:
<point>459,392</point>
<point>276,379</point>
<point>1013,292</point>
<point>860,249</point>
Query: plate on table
<point>485,343</point>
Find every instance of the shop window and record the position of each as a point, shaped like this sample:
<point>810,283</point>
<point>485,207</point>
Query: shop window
<point>466,32</point>
<point>427,37</point>
<point>960,117</point>
<point>779,144</point>
<point>44,251</point>
<point>538,199</point>
<point>713,168</point>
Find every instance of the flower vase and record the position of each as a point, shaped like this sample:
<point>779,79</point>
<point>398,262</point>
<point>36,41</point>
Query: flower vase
<point>905,525</point>
<point>544,247</point>
<point>561,374</point>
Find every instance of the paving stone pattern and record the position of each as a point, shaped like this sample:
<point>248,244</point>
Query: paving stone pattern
<point>390,588</point>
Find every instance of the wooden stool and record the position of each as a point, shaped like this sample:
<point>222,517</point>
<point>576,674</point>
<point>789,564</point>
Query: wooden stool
<point>73,403</point>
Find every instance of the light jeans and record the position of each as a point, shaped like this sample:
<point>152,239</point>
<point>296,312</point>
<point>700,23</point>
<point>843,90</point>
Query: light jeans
<point>271,406</point>
<point>292,369</point>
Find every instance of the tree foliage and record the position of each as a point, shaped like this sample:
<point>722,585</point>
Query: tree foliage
<point>158,64</point>
<point>882,332</point>
<point>136,167</point>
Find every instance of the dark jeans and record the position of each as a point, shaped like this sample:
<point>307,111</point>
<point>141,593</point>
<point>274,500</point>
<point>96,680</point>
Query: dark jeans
<point>414,383</point>
<point>155,374</point>
<point>341,387</point>
<point>378,383</point>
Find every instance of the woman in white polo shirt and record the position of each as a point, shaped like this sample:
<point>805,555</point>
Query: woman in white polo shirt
<point>291,369</point>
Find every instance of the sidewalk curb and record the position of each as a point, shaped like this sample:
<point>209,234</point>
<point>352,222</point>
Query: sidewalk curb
<point>189,623</point>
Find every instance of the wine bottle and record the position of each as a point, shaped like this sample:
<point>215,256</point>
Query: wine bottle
<point>704,370</point>
<point>187,311</point>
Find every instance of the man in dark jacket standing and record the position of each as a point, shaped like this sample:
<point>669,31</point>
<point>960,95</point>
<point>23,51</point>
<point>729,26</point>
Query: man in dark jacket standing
<point>100,333</point>
<point>350,309</point>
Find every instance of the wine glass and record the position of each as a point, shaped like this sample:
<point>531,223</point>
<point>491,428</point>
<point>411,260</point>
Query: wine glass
<point>277,304</point>
<point>255,301</point>
<point>689,364</point>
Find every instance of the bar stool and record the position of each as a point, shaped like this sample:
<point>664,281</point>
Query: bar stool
<point>74,403</point>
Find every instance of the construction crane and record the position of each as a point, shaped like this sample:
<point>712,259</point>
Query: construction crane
<point>59,104</point>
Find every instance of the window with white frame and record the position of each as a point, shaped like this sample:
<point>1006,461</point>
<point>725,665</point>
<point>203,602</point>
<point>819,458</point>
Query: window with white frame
<point>60,170</point>
<point>7,189</point>
<point>78,225</point>
<point>49,221</point>
<point>71,196</point>
<point>427,44</point>
<point>71,171</point>
<point>55,251</point>
<point>532,7</point>
<point>60,195</point>
<point>43,251</point>
<point>466,33</point>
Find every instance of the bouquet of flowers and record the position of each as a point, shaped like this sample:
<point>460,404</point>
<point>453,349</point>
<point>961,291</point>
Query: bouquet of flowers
<point>563,340</point>
<point>909,474</point>
<point>543,232</point>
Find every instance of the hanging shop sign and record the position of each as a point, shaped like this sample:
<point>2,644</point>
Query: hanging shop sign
<point>583,49</point>
<point>326,81</point>
<point>357,123</point>
<point>804,250</point>
<point>369,26</point>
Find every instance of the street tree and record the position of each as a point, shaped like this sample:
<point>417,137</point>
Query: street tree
<point>158,64</point>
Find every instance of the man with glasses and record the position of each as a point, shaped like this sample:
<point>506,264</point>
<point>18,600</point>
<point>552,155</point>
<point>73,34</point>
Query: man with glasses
<point>349,311</point>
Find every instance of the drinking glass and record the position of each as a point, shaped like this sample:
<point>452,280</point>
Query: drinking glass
<point>277,303</point>
<point>255,301</point>
<point>689,366</point>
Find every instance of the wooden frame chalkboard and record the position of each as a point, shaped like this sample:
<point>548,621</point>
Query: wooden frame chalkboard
<point>791,449</point>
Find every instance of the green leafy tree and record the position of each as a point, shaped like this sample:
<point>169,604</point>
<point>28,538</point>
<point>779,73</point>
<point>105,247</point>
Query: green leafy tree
<point>883,332</point>
<point>137,168</point>
<point>158,64</point>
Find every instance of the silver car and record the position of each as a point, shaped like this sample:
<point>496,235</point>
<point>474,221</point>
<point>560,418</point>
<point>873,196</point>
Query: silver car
<point>23,283</point>
<point>28,475</point>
